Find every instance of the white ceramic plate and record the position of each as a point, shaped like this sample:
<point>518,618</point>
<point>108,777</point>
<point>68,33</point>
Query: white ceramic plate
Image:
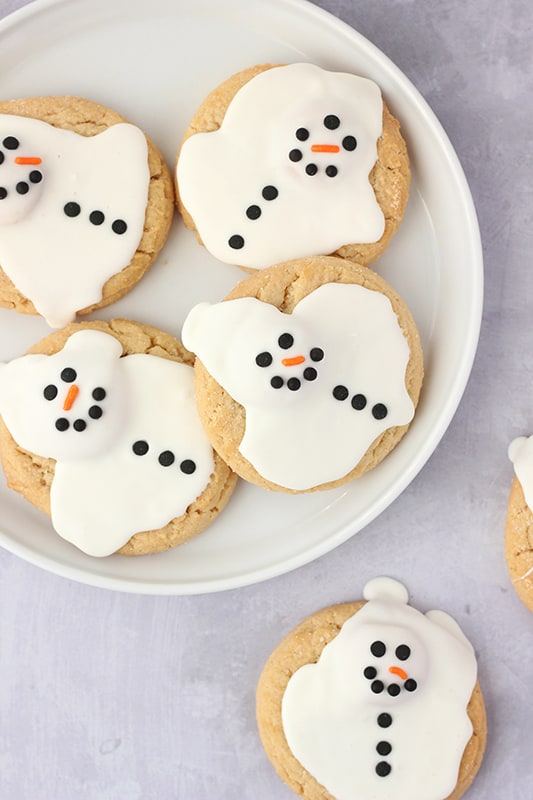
<point>154,62</point>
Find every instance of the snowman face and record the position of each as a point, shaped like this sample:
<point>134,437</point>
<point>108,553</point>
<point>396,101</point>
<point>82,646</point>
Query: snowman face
<point>394,663</point>
<point>321,148</point>
<point>74,402</point>
<point>21,177</point>
<point>287,365</point>
<point>67,406</point>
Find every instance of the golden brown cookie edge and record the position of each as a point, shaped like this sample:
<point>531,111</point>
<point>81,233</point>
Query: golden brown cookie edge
<point>519,544</point>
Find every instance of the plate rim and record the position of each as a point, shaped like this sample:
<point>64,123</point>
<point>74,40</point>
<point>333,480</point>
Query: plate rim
<point>448,408</point>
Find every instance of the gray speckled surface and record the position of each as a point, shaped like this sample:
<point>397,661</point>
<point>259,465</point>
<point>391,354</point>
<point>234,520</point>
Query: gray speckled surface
<point>109,696</point>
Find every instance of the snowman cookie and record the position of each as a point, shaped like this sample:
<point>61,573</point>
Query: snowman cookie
<point>374,700</point>
<point>288,161</point>
<point>99,429</point>
<point>307,374</point>
<point>86,203</point>
<point>519,524</point>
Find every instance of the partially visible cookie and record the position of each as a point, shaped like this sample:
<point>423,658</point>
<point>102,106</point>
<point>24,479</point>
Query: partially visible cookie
<point>373,700</point>
<point>519,524</point>
<point>287,161</point>
<point>307,374</point>
<point>86,203</point>
<point>99,429</point>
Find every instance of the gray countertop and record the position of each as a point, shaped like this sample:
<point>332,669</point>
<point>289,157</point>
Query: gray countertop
<point>113,696</point>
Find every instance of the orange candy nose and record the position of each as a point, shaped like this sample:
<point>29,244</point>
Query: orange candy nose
<point>399,672</point>
<point>325,148</point>
<point>70,398</point>
<point>28,160</point>
<point>292,362</point>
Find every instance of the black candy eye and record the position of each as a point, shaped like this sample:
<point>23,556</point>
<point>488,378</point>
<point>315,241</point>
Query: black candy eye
<point>302,134</point>
<point>316,354</point>
<point>378,649</point>
<point>349,143</point>
<point>331,122</point>
<point>236,242</point>
<point>50,392</point>
<point>68,375</point>
<point>285,341</point>
<point>263,359</point>
<point>403,652</point>
<point>11,143</point>
<point>188,466</point>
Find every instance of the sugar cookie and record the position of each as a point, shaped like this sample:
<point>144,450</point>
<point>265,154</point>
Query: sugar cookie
<point>99,429</point>
<point>86,203</point>
<point>519,524</point>
<point>291,161</point>
<point>373,700</point>
<point>307,374</point>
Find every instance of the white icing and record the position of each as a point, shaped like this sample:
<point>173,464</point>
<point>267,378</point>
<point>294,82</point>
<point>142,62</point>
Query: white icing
<point>386,588</point>
<point>304,438</point>
<point>59,262</point>
<point>102,492</point>
<point>521,454</point>
<point>330,713</point>
<point>222,173</point>
<point>31,418</point>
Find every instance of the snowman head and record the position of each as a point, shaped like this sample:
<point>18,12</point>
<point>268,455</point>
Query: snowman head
<point>289,361</point>
<point>392,662</point>
<point>318,144</point>
<point>268,358</point>
<point>22,174</point>
<point>67,406</point>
